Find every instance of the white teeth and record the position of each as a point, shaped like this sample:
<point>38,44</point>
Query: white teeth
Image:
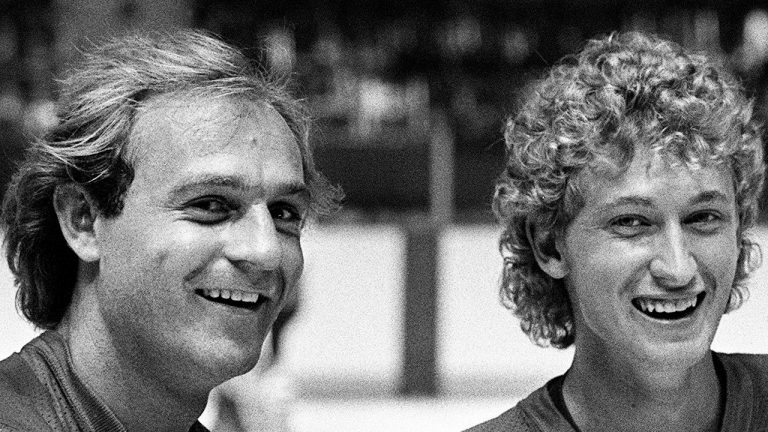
<point>241,296</point>
<point>666,306</point>
<point>250,297</point>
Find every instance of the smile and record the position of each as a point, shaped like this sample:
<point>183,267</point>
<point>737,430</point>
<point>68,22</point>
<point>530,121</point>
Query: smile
<point>664,309</point>
<point>240,299</point>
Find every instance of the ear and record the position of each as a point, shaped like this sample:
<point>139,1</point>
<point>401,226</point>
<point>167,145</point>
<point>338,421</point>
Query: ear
<point>547,249</point>
<point>76,214</point>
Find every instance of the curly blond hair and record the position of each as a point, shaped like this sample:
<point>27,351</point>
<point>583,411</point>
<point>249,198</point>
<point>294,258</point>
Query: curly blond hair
<point>620,93</point>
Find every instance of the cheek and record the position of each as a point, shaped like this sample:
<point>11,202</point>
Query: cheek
<point>124,249</point>
<point>719,259</point>
<point>599,268</point>
<point>185,251</point>
<point>293,260</point>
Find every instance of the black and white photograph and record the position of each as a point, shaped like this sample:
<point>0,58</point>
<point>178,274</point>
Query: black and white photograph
<point>383,216</point>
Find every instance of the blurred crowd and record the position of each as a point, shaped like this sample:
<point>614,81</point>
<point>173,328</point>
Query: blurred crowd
<point>377,75</point>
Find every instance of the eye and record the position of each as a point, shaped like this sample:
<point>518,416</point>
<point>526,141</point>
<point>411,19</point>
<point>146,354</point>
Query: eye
<point>285,212</point>
<point>705,221</point>
<point>627,221</point>
<point>209,210</point>
<point>287,217</point>
<point>629,225</point>
<point>702,217</point>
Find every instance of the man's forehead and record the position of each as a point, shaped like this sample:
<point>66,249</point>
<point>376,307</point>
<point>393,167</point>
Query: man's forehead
<point>176,140</point>
<point>603,181</point>
<point>180,110</point>
<point>192,121</point>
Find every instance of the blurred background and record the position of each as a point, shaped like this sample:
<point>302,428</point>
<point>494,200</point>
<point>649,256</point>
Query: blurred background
<point>398,324</point>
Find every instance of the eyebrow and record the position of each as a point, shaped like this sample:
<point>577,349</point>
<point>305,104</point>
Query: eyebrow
<point>708,196</point>
<point>702,197</point>
<point>237,183</point>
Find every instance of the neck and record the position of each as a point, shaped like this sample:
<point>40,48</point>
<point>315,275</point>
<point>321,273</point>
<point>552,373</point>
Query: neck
<point>134,393</point>
<point>639,395</point>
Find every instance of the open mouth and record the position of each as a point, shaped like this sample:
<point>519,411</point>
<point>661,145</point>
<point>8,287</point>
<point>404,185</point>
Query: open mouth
<point>668,309</point>
<point>233,298</point>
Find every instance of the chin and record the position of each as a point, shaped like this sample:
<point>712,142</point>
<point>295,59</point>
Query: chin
<point>221,362</point>
<point>680,354</point>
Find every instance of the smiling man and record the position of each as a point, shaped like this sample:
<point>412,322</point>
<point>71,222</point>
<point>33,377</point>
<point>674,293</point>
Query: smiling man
<point>632,179</point>
<point>155,234</point>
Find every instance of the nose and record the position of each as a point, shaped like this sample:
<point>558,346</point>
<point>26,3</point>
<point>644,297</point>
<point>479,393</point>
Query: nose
<point>673,265</point>
<point>254,241</point>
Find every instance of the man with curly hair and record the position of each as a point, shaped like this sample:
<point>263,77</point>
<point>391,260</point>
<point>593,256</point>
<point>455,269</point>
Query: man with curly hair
<point>632,179</point>
<point>154,234</point>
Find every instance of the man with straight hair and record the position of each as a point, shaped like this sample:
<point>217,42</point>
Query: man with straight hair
<point>155,234</point>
